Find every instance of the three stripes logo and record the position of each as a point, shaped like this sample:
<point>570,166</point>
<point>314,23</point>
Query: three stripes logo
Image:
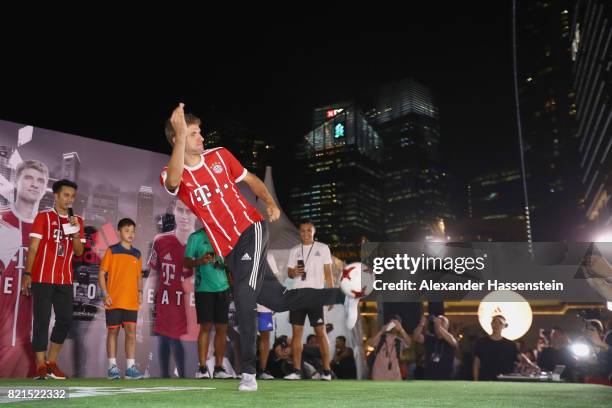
<point>256,254</point>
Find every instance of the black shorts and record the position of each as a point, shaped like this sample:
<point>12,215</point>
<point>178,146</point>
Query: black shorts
<point>212,307</point>
<point>315,316</point>
<point>119,317</point>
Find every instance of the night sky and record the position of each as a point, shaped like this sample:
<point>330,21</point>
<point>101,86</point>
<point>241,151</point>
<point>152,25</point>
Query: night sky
<point>118,82</point>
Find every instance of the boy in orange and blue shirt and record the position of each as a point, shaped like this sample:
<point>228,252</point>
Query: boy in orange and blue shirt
<point>120,280</point>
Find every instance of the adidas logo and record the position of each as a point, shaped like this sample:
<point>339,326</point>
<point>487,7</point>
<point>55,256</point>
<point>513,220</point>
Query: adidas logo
<point>269,325</point>
<point>168,257</point>
<point>189,184</point>
<point>246,257</point>
<point>320,320</point>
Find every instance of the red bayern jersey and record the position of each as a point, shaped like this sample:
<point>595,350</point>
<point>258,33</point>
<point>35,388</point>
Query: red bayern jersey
<point>209,190</point>
<point>53,263</point>
<point>171,299</point>
<point>15,308</point>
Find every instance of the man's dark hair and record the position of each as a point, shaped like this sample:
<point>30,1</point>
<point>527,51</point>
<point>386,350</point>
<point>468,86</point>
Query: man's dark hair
<point>310,337</point>
<point>57,186</point>
<point>396,317</point>
<point>126,222</point>
<point>307,222</point>
<point>282,341</point>
<point>341,338</point>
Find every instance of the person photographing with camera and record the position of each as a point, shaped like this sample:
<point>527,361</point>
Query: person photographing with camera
<point>440,347</point>
<point>390,342</point>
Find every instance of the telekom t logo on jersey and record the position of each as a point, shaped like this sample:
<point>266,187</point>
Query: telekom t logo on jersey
<point>203,193</point>
<point>20,258</point>
<point>57,235</point>
<point>168,273</point>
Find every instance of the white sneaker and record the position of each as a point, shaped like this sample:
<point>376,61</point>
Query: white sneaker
<point>351,308</point>
<point>248,383</point>
<point>326,377</point>
<point>316,376</point>
<point>293,376</point>
<point>220,373</point>
<point>264,375</point>
<point>202,374</point>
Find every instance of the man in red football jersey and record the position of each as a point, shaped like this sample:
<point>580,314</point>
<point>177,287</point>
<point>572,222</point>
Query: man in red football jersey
<point>54,239</point>
<point>171,301</point>
<point>206,181</point>
<point>16,356</point>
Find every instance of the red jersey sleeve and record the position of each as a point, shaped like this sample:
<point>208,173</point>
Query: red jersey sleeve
<point>39,227</point>
<point>236,170</point>
<point>162,179</point>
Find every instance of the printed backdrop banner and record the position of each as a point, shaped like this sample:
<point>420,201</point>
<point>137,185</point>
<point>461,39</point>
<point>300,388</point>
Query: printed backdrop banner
<point>114,181</point>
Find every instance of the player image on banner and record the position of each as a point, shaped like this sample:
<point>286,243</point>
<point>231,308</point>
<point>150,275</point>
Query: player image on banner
<point>31,159</point>
<point>166,283</point>
<point>16,355</point>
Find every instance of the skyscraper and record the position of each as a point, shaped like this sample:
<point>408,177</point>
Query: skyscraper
<point>415,193</point>
<point>145,223</point>
<point>70,166</point>
<point>340,186</point>
<point>493,208</point>
<point>252,151</point>
<point>591,57</point>
<point>324,113</point>
<point>548,115</point>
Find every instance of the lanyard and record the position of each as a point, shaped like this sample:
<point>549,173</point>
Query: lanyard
<point>60,249</point>
<point>308,256</point>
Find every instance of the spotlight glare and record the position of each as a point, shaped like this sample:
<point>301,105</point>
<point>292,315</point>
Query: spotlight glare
<point>604,237</point>
<point>581,350</point>
<point>512,306</point>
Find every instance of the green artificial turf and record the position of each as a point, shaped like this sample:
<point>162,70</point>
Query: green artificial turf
<point>336,394</point>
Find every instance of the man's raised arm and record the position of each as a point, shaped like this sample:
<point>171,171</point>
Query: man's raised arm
<point>177,159</point>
